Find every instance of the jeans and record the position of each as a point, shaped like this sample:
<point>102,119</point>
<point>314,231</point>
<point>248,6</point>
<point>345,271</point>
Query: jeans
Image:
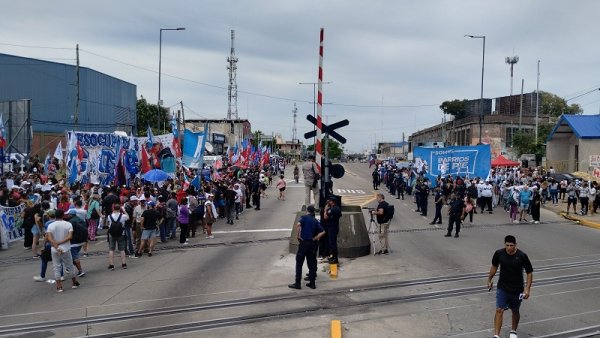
<point>129,241</point>
<point>438,213</point>
<point>554,195</point>
<point>162,227</point>
<point>171,227</point>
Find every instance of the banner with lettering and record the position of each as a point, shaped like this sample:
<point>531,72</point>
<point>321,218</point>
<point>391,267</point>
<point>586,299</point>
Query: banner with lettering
<point>108,158</point>
<point>10,217</point>
<point>464,161</point>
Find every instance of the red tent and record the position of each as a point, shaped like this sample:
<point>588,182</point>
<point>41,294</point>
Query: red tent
<point>502,161</point>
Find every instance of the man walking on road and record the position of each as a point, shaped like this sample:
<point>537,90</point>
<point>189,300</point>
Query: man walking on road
<point>311,180</point>
<point>309,232</point>
<point>510,291</point>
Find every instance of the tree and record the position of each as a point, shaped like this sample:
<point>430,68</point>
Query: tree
<point>554,105</point>
<point>524,142</point>
<point>455,108</point>
<point>335,148</point>
<point>147,116</point>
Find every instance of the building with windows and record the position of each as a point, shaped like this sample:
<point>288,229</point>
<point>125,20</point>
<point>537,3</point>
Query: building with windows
<point>223,132</point>
<point>497,128</point>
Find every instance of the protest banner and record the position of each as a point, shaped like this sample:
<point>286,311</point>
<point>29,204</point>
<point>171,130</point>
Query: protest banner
<point>10,217</point>
<point>464,161</point>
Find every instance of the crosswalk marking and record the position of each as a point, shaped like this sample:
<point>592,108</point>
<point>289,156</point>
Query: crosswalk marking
<point>350,191</point>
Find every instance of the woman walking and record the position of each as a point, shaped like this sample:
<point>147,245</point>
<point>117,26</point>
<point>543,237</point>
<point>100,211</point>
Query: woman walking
<point>281,186</point>
<point>93,216</point>
<point>183,217</point>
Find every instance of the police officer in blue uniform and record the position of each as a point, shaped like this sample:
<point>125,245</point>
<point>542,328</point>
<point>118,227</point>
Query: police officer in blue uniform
<point>309,232</point>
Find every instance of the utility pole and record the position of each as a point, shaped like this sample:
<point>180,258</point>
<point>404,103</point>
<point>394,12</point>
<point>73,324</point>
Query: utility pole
<point>76,117</point>
<point>232,110</point>
<point>537,102</point>
<point>521,109</point>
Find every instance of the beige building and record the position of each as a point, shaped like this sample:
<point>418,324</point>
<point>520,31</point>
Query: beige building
<point>293,148</point>
<point>574,144</point>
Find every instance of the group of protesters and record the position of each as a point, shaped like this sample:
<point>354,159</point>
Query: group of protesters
<point>133,217</point>
<point>520,192</point>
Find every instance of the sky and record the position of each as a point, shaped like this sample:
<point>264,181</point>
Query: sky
<point>390,63</point>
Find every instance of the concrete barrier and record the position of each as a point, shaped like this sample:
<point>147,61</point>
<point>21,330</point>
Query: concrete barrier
<point>353,239</point>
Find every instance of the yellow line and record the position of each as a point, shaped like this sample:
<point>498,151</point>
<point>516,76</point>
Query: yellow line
<point>336,329</point>
<point>581,221</point>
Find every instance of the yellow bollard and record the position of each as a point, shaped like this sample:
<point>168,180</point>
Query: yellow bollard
<point>333,270</point>
<point>336,329</point>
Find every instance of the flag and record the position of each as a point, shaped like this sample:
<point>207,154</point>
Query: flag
<point>196,182</point>
<point>371,161</point>
<point>58,152</point>
<point>198,158</point>
<point>174,126</point>
<point>73,172</point>
<point>150,140</point>
<point>46,163</point>
<point>2,131</point>
<point>176,147</point>
<point>145,166</point>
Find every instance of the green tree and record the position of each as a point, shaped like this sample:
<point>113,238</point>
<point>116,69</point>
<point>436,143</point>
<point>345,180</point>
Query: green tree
<point>524,141</point>
<point>147,116</point>
<point>455,108</point>
<point>335,148</point>
<point>554,105</point>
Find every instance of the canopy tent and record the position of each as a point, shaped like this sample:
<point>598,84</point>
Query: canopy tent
<point>502,161</point>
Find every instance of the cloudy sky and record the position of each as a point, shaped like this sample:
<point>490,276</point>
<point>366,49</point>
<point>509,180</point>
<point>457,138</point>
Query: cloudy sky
<point>391,63</point>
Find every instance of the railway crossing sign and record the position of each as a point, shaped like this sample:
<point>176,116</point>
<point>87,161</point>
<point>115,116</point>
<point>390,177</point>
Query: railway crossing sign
<point>329,129</point>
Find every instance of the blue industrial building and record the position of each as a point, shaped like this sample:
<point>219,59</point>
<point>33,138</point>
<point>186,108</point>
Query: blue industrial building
<point>105,103</point>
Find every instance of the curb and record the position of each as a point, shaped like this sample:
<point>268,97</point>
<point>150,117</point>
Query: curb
<point>581,221</point>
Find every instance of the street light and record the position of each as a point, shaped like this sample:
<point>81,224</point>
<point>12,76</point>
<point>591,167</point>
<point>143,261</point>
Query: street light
<point>482,70</point>
<point>159,67</point>
<point>314,84</point>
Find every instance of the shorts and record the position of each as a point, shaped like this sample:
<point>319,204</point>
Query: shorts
<point>572,200</point>
<point>506,300</point>
<point>524,206</point>
<point>35,230</point>
<point>114,242</point>
<point>148,234</point>
<point>282,189</point>
<point>75,252</point>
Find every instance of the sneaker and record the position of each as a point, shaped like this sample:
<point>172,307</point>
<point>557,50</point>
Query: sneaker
<point>496,336</point>
<point>186,243</point>
<point>378,252</point>
<point>124,266</point>
<point>59,290</point>
<point>133,256</point>
<point>513,334</point>
<point>536,222</point>
<point>111,268</point>
<point>39,279</point>
<point>62,278</point>
<point>81,274</point>
<point>75,285</point>
<point>515,221</point>
<point>149,254</point>
<point>85,254</point>
<point>385,252</point>
<point>36,256</point>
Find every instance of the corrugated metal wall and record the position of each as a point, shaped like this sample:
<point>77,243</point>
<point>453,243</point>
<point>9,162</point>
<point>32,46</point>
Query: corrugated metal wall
<point>106,103</point>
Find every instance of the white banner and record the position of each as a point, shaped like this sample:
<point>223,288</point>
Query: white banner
<point>11,222</point>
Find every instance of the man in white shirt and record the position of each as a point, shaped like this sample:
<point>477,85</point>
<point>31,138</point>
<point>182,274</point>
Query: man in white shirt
<point>59,235</point>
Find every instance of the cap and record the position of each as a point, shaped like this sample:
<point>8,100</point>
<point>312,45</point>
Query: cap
<point>311,209</point>
<point>134,198</point>
<point>51,213</point>
<point>151,203</point>
<point>71,212</point>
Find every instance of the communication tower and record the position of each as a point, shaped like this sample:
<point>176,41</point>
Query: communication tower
<point>232,110</point>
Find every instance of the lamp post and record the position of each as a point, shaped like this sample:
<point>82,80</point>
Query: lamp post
<point>160,66</point>
<point>314,84</point>
<point>482,71</point>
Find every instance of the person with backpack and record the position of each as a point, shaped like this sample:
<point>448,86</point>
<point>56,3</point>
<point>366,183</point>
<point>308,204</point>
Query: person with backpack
<point>383,212</point>
<point>93,216</point>
<point>116,235</point>
<point>78,240</point>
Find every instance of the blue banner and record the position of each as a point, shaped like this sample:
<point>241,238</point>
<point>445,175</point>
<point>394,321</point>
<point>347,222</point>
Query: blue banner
<point>191,142</point>
<point>464,161</point>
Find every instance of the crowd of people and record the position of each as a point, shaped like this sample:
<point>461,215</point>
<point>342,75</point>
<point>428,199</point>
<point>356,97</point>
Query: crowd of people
<point>58,221</point>
<point>521,193</point>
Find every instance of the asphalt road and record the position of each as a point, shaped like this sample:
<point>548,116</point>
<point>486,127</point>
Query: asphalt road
<point>236,284</point>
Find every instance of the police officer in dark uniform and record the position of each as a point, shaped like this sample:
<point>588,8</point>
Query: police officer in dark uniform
<point>456,213</point>
<point>309,232</point>
<point>424,197</point>
<point>332,215</point>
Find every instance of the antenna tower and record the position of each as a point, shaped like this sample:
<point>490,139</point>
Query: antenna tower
<point>511,60</point>
<point>232,111</point>
<point>294,131</point>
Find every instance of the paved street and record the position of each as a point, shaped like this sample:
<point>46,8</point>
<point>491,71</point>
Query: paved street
<point>236,283</point>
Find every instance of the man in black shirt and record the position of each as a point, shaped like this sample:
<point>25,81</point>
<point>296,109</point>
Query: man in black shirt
<point>510,291</point>
<point>332,215</point>
<point>150,220</point>
<point>384,224</point>
<point>456,213</point>
<point>439,202</point>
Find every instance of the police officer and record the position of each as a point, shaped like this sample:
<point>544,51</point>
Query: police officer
<point>456,213</point>
<point>309,232</point>
<point>332,215</point>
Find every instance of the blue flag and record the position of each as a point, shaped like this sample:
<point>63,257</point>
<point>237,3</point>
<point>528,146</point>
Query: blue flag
<point>196,182</point>
<point>150,141</point>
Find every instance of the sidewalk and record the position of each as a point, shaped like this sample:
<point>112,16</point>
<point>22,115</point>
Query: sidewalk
<point>588,220</point>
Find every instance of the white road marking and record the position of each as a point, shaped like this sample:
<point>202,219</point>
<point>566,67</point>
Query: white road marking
<point>253,230</point>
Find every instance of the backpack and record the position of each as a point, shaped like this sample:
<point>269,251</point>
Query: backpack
<point>116,227</point>
<point>389,212</point>
<point>79,234</point>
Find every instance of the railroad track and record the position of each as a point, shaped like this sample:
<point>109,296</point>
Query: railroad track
<point>321,302</point>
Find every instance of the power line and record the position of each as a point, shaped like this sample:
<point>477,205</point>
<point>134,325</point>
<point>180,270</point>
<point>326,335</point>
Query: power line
<point>40,47</point>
